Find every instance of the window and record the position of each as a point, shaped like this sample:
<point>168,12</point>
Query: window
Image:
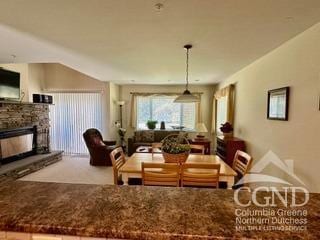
<point>221,112</point>
<point>71,116</point>
<point>162,108</point>
<point>224,100</point>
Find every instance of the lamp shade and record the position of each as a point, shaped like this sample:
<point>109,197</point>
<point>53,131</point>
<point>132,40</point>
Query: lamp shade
<point>186,97</point>
<point>201,128</point>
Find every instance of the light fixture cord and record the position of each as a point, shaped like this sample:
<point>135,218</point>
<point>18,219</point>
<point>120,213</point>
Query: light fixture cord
<point>187,70</point>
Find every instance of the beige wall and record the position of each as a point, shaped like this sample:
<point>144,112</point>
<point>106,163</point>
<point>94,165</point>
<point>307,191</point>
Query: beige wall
<point>295,64</point>
<point>53,77</point>
<point>206,100</point>
<point>24,77</point>
<point>36,79</point>
<point>62,78</point>
<point>31,78</point>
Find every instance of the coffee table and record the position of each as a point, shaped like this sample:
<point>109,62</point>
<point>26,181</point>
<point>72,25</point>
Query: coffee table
<point>144,149</point>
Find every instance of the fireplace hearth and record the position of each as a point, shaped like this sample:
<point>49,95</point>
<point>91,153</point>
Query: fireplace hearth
<point>17,143</point>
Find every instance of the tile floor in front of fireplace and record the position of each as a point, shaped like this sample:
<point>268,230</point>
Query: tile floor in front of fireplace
<point>72,169</point>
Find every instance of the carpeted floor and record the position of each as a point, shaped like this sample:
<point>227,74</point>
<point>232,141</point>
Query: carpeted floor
<point>72,169</point>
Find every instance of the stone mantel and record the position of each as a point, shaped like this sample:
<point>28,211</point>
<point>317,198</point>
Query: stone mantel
<point>22,103</point>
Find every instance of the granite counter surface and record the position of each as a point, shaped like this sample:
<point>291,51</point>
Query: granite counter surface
<point>132,212</point>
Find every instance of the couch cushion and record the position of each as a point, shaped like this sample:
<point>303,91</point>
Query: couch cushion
<point>139,144</point>
<point>144,136</point>
<point>160,135</point>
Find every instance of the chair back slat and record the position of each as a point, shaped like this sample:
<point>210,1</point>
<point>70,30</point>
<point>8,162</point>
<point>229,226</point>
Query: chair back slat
<point>200,174</point>
<point>118,159</point>
<point>160,174</point>
<point>241,162</point>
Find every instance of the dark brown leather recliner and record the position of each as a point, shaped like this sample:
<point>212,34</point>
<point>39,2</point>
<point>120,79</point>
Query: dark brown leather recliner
<point>99,150</point>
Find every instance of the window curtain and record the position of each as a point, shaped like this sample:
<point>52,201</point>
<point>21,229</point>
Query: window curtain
<point>229,93</point>
<point>133,114</point>
<point>198,109</point>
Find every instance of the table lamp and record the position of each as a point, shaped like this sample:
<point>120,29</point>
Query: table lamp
<point>120,103</point>
<point>201,128</point>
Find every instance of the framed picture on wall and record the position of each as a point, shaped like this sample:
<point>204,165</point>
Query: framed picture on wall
<point>278,104</point>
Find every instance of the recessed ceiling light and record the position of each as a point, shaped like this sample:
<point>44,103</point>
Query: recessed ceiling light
<point>13,58</point>
<point>159,7</point>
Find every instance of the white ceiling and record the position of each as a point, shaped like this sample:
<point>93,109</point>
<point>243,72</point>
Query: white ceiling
<point>125,40</point>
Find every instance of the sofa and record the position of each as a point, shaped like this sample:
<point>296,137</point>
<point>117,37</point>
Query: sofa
<point>98,148</point>
<point>146,138</point>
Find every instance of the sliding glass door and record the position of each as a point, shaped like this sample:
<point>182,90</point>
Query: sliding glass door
<point>71,115</point>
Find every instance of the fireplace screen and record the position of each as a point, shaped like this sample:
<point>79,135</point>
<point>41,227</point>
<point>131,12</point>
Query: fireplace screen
<point>16,145</point>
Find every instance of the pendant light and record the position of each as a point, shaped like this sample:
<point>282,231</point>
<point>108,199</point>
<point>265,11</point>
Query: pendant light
<point>187,96</point>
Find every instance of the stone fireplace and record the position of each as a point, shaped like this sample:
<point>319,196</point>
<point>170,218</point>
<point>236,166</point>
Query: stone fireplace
<point>24,130</point>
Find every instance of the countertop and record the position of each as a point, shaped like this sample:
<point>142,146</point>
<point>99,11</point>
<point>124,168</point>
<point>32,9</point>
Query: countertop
<point>132,212</point>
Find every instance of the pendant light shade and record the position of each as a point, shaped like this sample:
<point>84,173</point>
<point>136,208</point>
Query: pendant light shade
<point>187,96</point>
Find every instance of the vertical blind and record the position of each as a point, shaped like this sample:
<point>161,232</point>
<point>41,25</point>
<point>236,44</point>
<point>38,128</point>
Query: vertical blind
<point>71,115</point>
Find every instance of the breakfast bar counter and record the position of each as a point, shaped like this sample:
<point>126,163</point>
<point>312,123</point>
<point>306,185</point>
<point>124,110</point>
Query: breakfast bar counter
<point>131,212</point>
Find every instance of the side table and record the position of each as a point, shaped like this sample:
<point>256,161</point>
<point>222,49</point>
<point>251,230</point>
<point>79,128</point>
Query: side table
<point>202,141</point>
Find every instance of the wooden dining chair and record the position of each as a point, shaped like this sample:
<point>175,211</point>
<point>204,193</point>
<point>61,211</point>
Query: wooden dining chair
<point>118,159</point>
<point>198,149</point>
<point>241,163</point>
<point>200,174</point>
<point>155,148</point>
<point>160,174</point>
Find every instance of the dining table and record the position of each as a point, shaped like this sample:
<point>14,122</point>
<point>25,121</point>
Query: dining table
<point>132,167</point>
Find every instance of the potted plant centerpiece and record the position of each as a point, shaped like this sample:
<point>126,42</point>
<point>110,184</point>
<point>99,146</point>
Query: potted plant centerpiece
<point>175,149</point>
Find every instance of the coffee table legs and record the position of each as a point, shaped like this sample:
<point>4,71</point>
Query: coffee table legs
<point>125,178</point>
<point>230,182</point>
<point>228,179</point>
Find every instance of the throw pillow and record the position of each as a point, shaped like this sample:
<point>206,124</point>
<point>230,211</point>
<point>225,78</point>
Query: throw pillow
<point>148,136</point>
<point>144,136</point>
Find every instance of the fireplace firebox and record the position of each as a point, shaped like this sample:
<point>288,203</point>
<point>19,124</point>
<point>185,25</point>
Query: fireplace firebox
<point>17,143</point>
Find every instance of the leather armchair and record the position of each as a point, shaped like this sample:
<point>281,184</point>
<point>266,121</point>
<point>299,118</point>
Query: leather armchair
<point>99,150</point>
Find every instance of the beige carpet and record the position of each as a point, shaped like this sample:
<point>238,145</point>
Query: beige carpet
<point>72,169</point>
